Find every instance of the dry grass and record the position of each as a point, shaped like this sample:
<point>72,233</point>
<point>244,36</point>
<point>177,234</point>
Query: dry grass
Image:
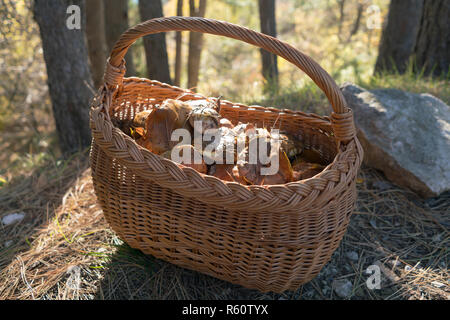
<point>64,249</point>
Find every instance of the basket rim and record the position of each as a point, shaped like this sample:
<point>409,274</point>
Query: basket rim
<point>277,198</point>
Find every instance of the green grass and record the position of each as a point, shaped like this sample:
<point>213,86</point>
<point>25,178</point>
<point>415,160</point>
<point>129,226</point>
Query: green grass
<point>309,98</point>
<point>306,97</point>
<point>411,81</point>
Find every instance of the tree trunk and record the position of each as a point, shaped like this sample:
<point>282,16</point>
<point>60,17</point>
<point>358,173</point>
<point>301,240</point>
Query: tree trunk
<point>116,23</point>
<point>268,26</point>
<point>195,45</point>
<point>341,16</point>
<point>155,44</point>
<point>399,36</point>
<point>357,23</point>
<point>178,44</point>
<point>95,34</point>
<point>69,77</point>
<point>432,49</point>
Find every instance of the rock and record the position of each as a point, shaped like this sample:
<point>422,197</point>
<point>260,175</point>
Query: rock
<point>405,135</point>
<point>12,218</point>
<point>8,243</point>
<point>395,263</point>
<point>343,288</point>
<point>352,255</point>
<point>438,284</point>
<point>437,237</point>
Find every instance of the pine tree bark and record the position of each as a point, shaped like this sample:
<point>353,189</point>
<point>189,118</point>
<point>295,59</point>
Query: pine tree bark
<point>195,45</point>
<point>178,47</point>
<point>432,49</point>
<point>95,34</point>
<point>69,77</point>
<point>155,44</point>
<point>268,26</point>
<point>399,36</point>
<point>116,23</point>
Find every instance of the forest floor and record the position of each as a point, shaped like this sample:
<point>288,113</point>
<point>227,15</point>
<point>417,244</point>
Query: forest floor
<point>64,249</point>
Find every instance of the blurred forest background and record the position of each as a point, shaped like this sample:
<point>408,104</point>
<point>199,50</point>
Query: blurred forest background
<point>343,36</point>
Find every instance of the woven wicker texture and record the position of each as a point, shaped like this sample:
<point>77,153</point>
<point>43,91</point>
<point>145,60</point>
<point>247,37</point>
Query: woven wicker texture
<point>271,238</point>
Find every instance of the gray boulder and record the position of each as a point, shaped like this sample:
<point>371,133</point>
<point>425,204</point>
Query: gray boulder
<point>405,135</point>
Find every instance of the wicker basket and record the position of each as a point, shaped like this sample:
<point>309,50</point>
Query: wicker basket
<point>270,238</point>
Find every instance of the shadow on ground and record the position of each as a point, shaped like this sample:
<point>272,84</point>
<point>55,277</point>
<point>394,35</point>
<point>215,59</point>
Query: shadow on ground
<point>130,274</point>
<point>403,236</point>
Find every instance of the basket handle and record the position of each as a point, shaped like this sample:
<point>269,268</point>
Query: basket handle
<point>341,118</point>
